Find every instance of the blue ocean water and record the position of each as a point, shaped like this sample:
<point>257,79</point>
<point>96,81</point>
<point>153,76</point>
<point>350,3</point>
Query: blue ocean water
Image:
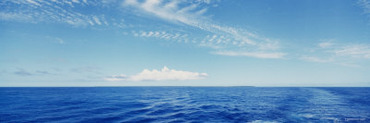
<point>184,104</point>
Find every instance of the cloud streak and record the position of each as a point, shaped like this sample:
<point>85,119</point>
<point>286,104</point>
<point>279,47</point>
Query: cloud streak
<point>165,74</point>
<point>179,37</point>
<point>316,59</point>
<point>356,51</point>
<point>365,4</point>
<point>252,54</point>
<point>23,72</point>
<point>192,14</point>
<point>86,69</point>
<point>339,53</point>
<point>54,11</point>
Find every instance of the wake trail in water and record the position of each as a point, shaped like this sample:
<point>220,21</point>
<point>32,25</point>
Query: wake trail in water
<point>322,105</point>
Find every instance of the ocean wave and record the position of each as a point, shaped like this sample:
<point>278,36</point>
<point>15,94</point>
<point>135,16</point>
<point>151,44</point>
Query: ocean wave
<point>185,104</point>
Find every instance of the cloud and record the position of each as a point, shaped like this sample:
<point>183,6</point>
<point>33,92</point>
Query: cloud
<point>345,49</point>
<point>365,4</point>
<point>55,11</point>
<point>159,75</point>
<point>316,59</point>
<point>356,51</point>
<point>120,77</point>
<point>22,72</point>
<point>60,41</point>
<point>181,12</point>
<point>97,21</point>
<point>179,37</point>
<point>345,54</point>
<point>268,55</point>
<point>43,72</point>
<point>15,16</point>
<point>169,11</point>
<point>86,69</point>
<point>325,44</point>
<point>192,14</point>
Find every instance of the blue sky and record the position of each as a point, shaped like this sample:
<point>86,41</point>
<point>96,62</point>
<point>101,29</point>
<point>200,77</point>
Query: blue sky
<point>184,43</point>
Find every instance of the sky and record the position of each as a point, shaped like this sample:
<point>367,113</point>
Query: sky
<point>185,43</point>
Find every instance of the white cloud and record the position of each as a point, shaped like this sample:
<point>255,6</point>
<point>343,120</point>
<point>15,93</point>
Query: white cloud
<point>75,1</point>
<point>55,39</point>
<point>205,1</point>
<point>168,36</point>
<point>179,37</point>
<point>33,2</point>
<point>325,44</point>
<point>15,16</point>
<point>356,51</point>
<point>169,11</point>
<point>270,55</point>
<point>365,4</point>
<point>60,41</point>
<point>97,21</point>
<point>191,14</point>
<point>345,54</point>
<point>37,11</point>
<point>345,49</point>
<point>159,75</point>
<point>216,41</point>
<point>316,59</point>
<point>179,11</point>
<point>120,77</point>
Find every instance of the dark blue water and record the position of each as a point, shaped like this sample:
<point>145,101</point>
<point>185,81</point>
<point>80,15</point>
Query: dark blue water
<point>184,104</point>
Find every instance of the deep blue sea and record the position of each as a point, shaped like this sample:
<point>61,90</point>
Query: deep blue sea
<point>184,104</point>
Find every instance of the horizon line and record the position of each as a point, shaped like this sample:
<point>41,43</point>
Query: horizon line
<point>172,86</point>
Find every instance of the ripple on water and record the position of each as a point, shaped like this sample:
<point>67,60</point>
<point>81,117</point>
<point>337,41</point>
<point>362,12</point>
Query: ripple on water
<point>166,104</point>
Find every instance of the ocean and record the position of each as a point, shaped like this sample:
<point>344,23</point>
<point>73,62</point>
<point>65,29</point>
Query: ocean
<point>184,104</point>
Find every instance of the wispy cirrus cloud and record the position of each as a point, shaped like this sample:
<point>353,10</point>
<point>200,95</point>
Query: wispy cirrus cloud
<point>317,59</point>
<point>8,16</point>
<point>266,55</point>
<point>168,10</point>
<point>44,72</point>
<point>345,49</point>
<point>86,69</point>
<point>23,72</point>
<point>178,37</point>
<point>193,14</point>
<point>72,12</point>
<point>355,51</point>
<point>60,41</point>
<point>339,53</point>
<point>190,13</point>
<point>55,39</point>
<point>365,4</point>
<point>159,75</point>
<point>325,44</point>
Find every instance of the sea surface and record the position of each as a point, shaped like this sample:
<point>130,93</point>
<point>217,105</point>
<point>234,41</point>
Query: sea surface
<point>184,104</point>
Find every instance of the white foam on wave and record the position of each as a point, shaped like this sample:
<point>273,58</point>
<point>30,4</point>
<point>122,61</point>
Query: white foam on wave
<point>262,121</point>
<point>307,115</point>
